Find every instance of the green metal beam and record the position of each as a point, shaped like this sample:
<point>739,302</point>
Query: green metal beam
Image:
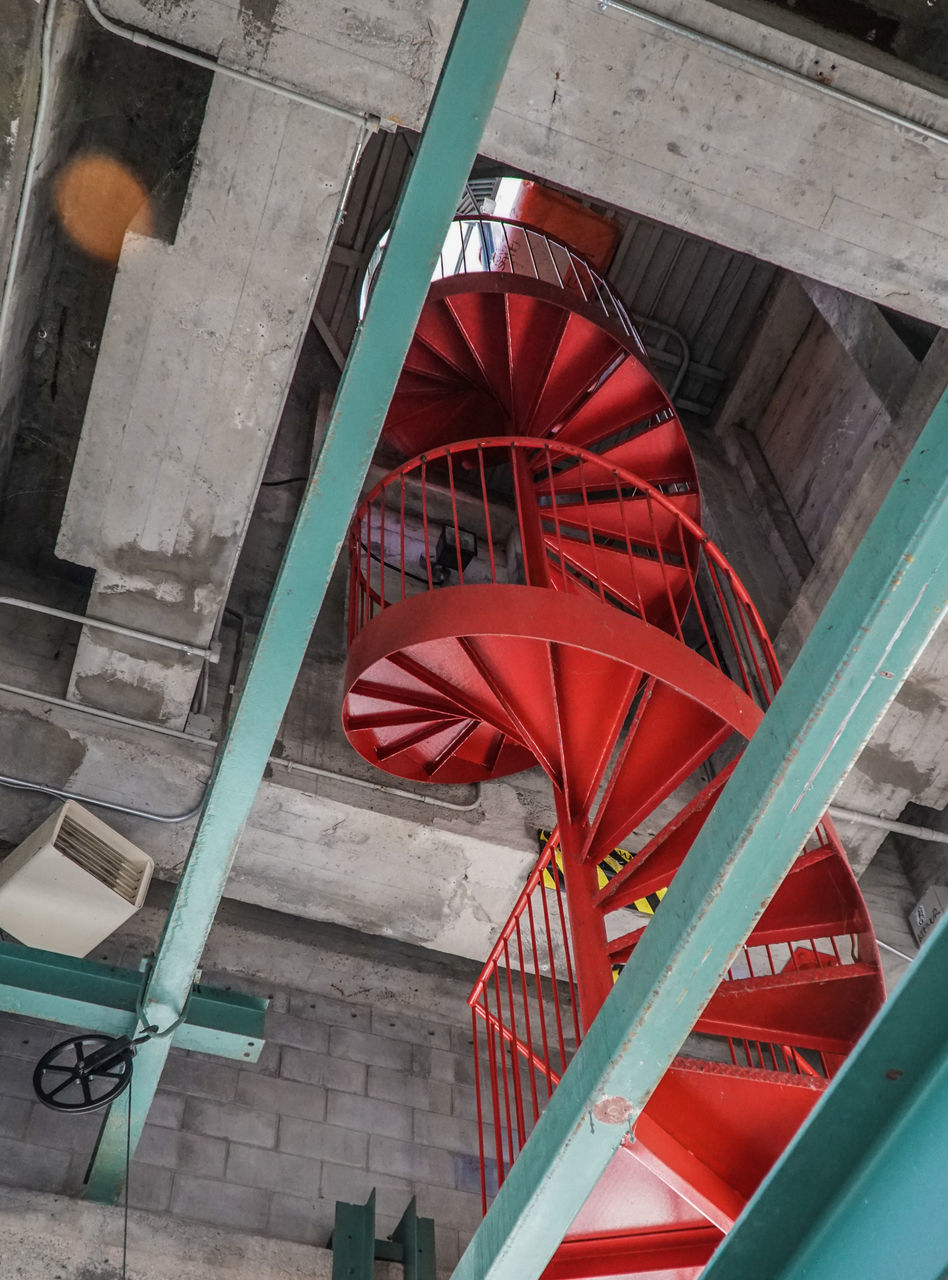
<point>861,1190</point>
<point>104,997</point>
<point>470,77</point>
<point>885,608</point>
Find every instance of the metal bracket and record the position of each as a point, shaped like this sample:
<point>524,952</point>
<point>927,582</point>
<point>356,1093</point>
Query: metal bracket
<point>355,1248</point>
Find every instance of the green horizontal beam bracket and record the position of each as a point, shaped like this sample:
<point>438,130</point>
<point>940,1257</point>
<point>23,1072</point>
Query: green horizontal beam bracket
<point>883,612</point>
<point>861,1190</point>
<point>104,997</point>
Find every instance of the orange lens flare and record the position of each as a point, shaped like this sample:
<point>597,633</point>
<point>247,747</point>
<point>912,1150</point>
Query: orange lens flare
<point>97,200</point>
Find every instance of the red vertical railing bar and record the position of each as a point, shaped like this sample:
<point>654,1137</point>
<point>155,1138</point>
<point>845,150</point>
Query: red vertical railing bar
<point>553,978</point>
<point>526,237</point>
<point>527,1026</point>
<point>574,1002</point>
<point>554,506</point>
<point>661,560</point>
<point>424,519</point>
<point>510,263</point>
<point>572,260</point>
<point>353,588</point>
<point>480,1111</point>
<point>503,1050</point>
<point>367,547</point>
<point>516,1044</point>
<point>539,985</point>
<point>559,278</point>
<point>490,536</point>
<point>514,1054</point>
<point>492,1038</point>
<point>712,648</point>
<point>454,514</point>
<point>402,537</point>
<point>752,650</point>
<point>687,555</point>
<point>521,520</point>
<point>592,539</point>
<point>727,620</point>
<point>382,552</point>
<point>628,542</point>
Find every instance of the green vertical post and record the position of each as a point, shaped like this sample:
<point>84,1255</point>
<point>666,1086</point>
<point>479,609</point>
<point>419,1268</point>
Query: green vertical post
<point>417,1238</point>
<point>469,80</point>
<point>353,1241</point>
<point>882,614</point>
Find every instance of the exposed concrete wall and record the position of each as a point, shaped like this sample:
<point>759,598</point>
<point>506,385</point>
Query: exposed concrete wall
<point>889,897</point>
<point>646,120</point>
<point>44,1235</point>
<point>829,403</point>
<point>196,360</point>
<point>19,86</point>
<point>366,1081</point>
<point>318,847</point>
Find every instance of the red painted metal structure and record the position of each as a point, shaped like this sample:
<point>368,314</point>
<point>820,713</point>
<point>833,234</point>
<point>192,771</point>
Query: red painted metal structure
<point>533,586</point>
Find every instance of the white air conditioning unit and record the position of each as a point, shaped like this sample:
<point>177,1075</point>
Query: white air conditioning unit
<point>71,883</point>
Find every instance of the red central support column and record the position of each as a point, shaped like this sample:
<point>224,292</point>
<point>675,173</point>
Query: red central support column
<point>587,924</point>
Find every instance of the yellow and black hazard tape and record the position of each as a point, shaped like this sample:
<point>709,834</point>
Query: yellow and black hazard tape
<point>610,865</point>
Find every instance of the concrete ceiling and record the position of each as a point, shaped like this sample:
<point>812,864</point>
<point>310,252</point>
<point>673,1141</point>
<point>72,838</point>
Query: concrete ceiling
<point>156,397</point>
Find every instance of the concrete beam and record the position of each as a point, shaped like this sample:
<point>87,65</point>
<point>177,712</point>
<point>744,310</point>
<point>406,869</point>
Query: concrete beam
<point>43,1235</point>
<point>611,106</point>
<point>196,360</point>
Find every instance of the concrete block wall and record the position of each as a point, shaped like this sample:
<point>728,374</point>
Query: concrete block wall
<point>369,1085</point>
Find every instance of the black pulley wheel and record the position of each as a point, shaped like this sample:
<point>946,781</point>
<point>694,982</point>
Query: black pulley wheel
<point>84,1073</point>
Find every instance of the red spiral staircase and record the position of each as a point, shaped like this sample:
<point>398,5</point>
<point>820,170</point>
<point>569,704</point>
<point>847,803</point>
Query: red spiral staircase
<point>533,586</point>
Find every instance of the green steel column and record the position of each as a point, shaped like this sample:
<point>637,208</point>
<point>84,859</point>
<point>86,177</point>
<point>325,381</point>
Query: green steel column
<point>470,78</point>
<point>885,608</point>
<point>861,1191</point>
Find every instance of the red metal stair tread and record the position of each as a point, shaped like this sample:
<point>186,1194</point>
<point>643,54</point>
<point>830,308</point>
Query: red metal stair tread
<point>737,1120</point>
<point>821,1008</point>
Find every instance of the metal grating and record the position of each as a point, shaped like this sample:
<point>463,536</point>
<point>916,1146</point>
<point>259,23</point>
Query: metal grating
<point>99,859</point>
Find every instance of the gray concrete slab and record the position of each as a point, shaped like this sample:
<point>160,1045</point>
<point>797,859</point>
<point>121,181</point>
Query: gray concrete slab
<point>196,360</point>
<point>653,122</point>
<point>43,1235</point>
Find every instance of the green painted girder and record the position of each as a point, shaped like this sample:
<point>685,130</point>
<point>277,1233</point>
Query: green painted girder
<point>470,77</point>
<point>355,1249</point>
<point>862,1189</point>
<point>882,613</point>
<point>104,997</point>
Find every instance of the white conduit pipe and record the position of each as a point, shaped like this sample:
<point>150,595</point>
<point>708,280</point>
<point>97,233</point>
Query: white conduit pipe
<point>32,160</point>
<point>882,823</point>
<point>774,68</point>
<point>372,122</point>
<point>211,654</point>
<point>292,766</point>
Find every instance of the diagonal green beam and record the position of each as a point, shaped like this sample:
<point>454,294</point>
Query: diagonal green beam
<point>104,997</point>
<point>885,608</point>
<point>861,1189</point>
<point>469,80</point>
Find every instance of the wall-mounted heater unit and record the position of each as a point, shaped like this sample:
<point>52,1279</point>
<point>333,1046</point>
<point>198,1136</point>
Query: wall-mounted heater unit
<point>71,883</point>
